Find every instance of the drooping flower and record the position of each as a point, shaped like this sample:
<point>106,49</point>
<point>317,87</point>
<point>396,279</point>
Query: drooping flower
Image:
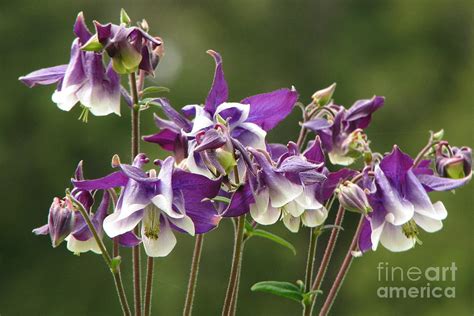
<point>341,135</point>
<point>65,222</point>
<point>130,48</point>
<point>401,204</point>
<point>173,199</point>
<point>453,162</point>
<point>241,124</point>
<point>83,80</point>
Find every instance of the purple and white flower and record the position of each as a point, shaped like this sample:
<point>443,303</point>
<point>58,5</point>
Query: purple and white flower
<point>341,134</point>
<point>173,199</point>
<point>401,204</point>
<point>83,80</point>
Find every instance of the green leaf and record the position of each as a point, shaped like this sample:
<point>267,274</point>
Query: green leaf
<point>115,263</point>
<point>155,89</point>
<point>264,234</point>
<point>283,289</point>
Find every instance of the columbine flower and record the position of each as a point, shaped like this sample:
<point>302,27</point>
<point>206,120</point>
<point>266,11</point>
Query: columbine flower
<point>401,204</point>
<point>453,162</point>
<point>173,199</point>
<point>242,124</point>
<point>342,135</point>
<point>130,48</point>
<point>84,79</point>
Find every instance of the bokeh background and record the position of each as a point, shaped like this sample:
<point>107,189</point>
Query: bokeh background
<point>419,54</point>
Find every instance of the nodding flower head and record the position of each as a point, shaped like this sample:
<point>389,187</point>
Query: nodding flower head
<point>353,198</point>
<point>453,162</point>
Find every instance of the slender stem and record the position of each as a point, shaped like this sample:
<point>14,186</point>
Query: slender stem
<point>107,259</point>
<point>228,302</point>
<point>310,260</point>
<point>342,272</point>
<point>327,254</point>
<point>135,142</point>
<point>188,304</point>
<point>423,152</point>
<point>148,286</point>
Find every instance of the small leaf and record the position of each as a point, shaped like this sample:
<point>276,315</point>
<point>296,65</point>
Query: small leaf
<point>155,89</point>
<point>264,234</point>
<point>283,289</point>
<point>115,263</point>
<point>124,18</point>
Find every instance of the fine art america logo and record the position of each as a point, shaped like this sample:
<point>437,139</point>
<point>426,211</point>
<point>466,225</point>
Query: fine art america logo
<point>416,282</point>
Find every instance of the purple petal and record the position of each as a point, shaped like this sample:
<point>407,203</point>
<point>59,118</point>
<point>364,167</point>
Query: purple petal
<point>314,153</point>
<point>129,239</point>
<point>173,115</point>
<point>165,138</point>
<point>138,174</point>
<point>276,150</point>
<point>113,180</point>
<point>396,164</point>
<point>268,109</point>
<point>360,113</point>
<point>81,30</point>
<point>219,91</point>
<point>365,242</point>
<point>317,124</point>
<point>42,230</point>
<point>44,76</point>
<point>240,202</point>
<point>296,164</point>
<point>211,139</point>
<point>436,183</point>
<point>333,179</point>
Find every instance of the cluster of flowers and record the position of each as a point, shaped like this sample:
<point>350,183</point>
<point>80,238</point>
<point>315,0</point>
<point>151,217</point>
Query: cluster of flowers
<point>222,166</point>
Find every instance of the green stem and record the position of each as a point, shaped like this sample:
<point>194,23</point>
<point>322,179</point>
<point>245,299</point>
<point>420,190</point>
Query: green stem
<point>188,305</point>
<point>234,272</point>
<point>342,272</point>
<point>135,141</point>
<point>108,260</point>
<point>148,286</point>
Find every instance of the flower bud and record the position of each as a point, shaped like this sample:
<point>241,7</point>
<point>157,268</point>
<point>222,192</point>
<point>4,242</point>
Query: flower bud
<point>60,220</point>
<point>127,58</point>
<point>322,97</point>
<point>455,163</point>
<point>226,159</point>
<point>353,198</point>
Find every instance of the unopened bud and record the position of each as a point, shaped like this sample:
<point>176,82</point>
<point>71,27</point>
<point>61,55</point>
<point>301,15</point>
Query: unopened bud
<point>60,220</point>
<point>126,58</point>
<point>322,97</point>
<point>226,159</point>
<point>353,198</point>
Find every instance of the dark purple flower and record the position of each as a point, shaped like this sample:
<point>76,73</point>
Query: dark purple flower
<point>341,135</point>
<point>173,199</point>
<point>84,79</point>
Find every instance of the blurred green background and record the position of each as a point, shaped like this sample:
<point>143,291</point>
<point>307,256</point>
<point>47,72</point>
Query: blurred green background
<point>419,54</point>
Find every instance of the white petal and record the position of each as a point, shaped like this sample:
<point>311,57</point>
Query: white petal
<point>313,218</point>
<point>184,223</point>
<point>161,246</point>
<point>66,98</point>
<point>243,108</point>
<point>307,199</point>
<point>255,137</point>
<point>76,246</point>
<point>283,191</point>
<point>193,165</point>
<point>114,226</point>
<point>293,208</point>
<point>395,240</point>
<point>292,223</point>
<point>428,224</point>
<point>202,120</point>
